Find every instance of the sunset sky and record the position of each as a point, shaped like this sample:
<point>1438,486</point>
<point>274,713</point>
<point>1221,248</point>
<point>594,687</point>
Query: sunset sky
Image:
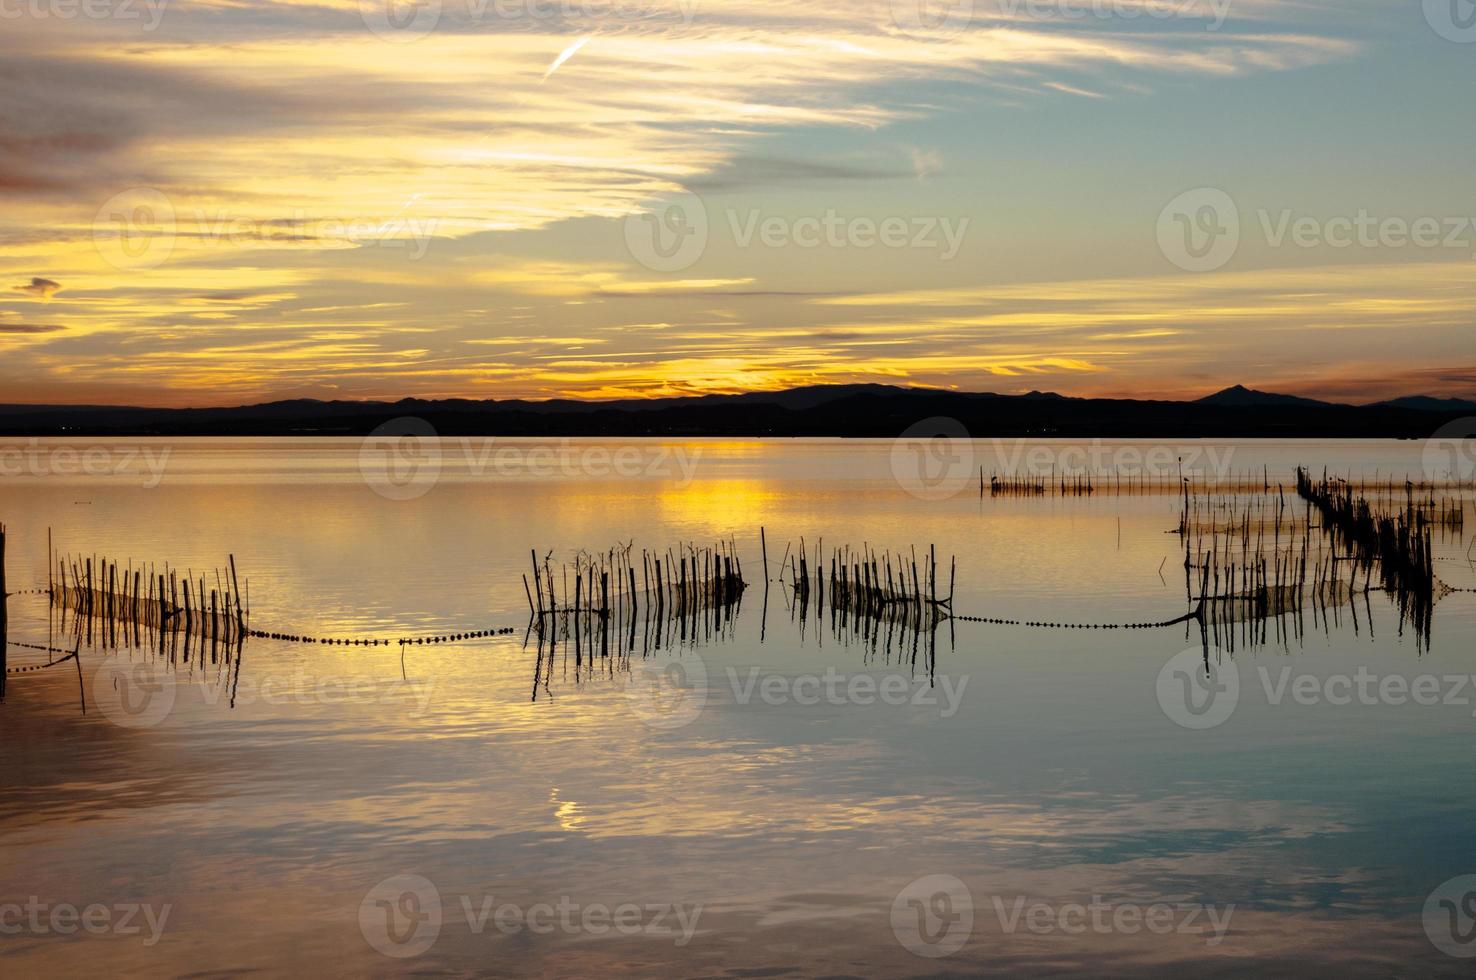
<point>238,200</point>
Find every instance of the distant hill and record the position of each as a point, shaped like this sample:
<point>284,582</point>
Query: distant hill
<point>868,410</point>
<point>1426,403</point>
<point>1239,396</point>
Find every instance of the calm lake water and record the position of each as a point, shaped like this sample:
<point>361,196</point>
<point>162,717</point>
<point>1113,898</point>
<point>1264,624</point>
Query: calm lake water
<point>770,797</point>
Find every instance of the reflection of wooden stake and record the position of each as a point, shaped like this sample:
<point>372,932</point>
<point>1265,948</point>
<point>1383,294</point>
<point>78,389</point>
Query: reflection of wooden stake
<point>5,612</point>
<point>236,588</point>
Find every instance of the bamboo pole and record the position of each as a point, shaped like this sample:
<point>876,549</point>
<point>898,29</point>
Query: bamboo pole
<point>4,615</point>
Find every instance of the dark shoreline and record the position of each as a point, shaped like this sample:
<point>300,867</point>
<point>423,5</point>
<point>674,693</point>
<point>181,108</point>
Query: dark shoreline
<point>858,412</point>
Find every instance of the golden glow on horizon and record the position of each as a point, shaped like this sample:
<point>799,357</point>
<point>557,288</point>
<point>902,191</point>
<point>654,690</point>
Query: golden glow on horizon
<point>930,339</point>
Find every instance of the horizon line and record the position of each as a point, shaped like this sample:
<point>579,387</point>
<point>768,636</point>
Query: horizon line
<point>916,388</point>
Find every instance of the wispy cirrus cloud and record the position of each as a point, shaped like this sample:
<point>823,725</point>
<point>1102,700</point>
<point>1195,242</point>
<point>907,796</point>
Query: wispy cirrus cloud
<point>505,123</point>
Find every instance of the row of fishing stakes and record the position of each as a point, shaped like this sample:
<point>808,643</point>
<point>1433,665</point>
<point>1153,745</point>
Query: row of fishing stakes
<point>1448,511</point>
<point>1072,485</point>
<point>111,592</point>
<point>1140,480</point>
<point>1398,543</point>
<point>600,644</point>
<point>690,577</point>
<point>1260,563</point>
<point>866,581</point>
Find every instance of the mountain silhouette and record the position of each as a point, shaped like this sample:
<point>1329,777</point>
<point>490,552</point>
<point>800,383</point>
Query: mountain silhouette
<point>869,410</point>
<point>1242,397</point>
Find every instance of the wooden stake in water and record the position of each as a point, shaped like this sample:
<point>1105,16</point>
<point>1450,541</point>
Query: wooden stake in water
<point>4,614</point>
